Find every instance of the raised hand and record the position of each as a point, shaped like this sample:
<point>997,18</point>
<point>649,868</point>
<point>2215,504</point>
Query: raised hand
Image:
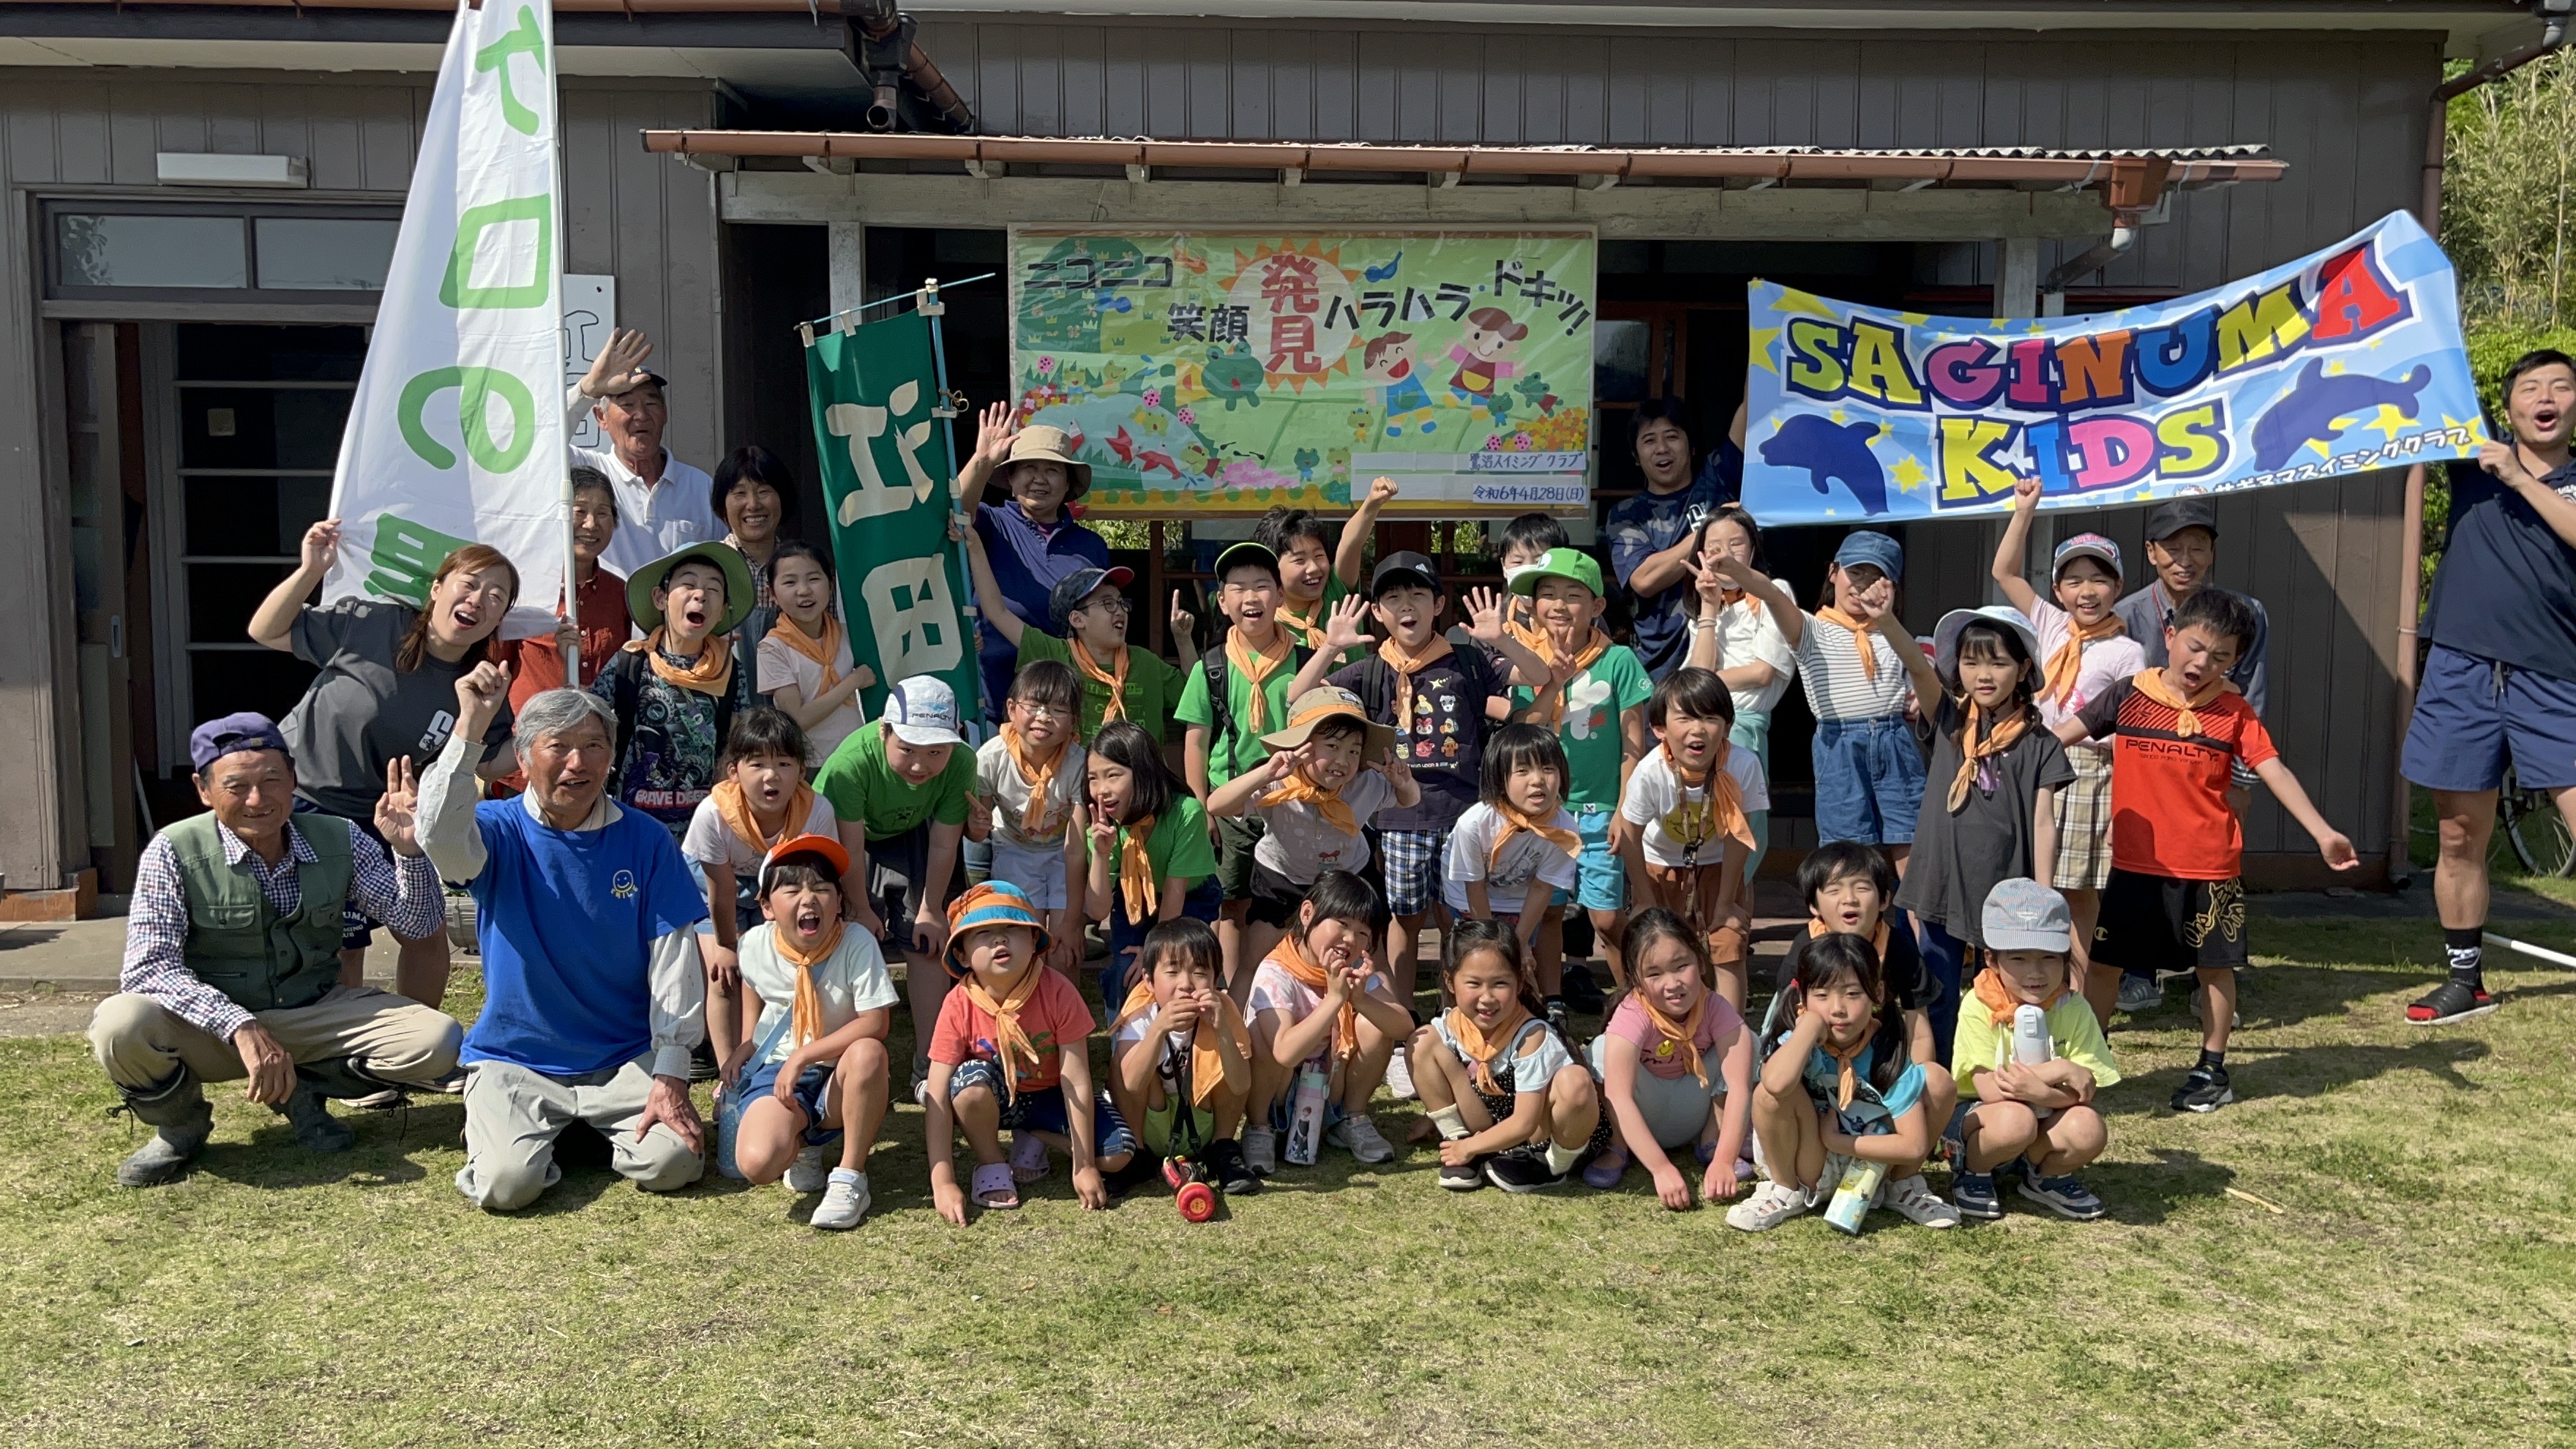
<point>1342,629</point>
<point>994,434</point>
<point>321,545</point>
<point>1104,833</point>
<point>1185,625</point>
<point>1485,618</point>
<point>1382,491</point>
<point>620,364</point>
<point>480,692</point>
<point>2026,495</point>
<point>397,810</point>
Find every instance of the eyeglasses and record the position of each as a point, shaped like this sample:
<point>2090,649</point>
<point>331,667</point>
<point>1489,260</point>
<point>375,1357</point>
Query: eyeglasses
<point>1041,711</point>
<point>1115,604</point>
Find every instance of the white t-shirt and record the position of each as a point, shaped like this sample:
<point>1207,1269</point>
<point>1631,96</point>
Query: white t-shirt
<point>2106,663</point>
<point>1747,634</point>
<point>1657,801</point>
<point>1531,862</point>
<point>1302,846</point>
<point>780,666</point>
<point>709,841</point>
<point>1176,1045</point>
<point>997,778</point>
<point>851,980</point>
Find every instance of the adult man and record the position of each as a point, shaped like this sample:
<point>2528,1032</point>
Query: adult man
<point>1655,535</point>
<point>2500,681</point>
<point>588,918</point>
<point>662,503</point>
<point>232,956</point>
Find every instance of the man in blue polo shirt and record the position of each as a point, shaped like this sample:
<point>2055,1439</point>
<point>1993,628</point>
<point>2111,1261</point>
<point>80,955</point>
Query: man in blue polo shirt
<point>1654,534</point>
<point>1031,540</point>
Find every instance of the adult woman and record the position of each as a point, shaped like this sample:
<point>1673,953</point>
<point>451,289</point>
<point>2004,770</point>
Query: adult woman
<point>386,690</point>
<point>1733,634</point>
<point>750,493</point>
<point>1032,540</point>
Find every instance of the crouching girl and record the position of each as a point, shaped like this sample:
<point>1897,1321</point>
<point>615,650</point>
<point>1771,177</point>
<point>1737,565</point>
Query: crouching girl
<point>1512,1105</point>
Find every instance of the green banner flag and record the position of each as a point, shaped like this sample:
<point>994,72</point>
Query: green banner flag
<point>885,479</point>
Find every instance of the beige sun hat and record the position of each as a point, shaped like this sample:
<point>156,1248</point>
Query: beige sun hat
<point>1044,444</point>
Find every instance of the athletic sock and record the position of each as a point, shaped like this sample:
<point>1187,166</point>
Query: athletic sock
<point>1451,1122</point>
<point>2214,1061</point>
<point>2466,947</point>
<point>1560,1160</point>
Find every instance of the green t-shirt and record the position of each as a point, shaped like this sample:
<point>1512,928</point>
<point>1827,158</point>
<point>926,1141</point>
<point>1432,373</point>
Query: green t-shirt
<point>1153,684</point>
<point>1589,730</point>
<point>1334,592</point>
<point>1242,750</point>
<point>862,786</point>
<point>1179,848</point>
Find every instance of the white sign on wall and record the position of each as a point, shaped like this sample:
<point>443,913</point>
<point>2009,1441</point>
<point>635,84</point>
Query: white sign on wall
<point>589,311</point>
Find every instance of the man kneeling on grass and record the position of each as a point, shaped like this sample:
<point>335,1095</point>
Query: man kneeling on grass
<point>587,916</point>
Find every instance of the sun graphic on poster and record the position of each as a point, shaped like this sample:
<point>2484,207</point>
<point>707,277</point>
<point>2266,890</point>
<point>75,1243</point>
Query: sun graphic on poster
<point>1303,318</point>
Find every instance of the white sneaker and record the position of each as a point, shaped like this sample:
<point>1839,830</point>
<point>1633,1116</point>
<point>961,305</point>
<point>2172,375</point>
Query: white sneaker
<point>1914,1197</point>
<point>1261,1150</point>
<point>845,1201</point>
<point>2138,995</point>
<point>807,1173</point>
<point>1360,1135</point>
<point>1399,1077</point>
<point>1771,1205</point>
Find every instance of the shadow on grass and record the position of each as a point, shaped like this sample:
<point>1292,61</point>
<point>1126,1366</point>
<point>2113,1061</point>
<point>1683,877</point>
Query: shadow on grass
<point>383,1156</point>
<point>2258,1071</point>
<point>2144,1194</point>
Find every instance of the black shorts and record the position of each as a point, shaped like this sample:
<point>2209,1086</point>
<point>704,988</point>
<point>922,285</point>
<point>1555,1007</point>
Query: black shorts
<point>1235,837</point>
<point>1275,898</point>
<point>2156,923</point>
<point>897,866</point>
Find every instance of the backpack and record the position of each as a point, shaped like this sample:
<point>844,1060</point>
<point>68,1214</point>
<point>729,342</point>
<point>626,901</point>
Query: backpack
<point>625,676</point>
<point>1220,696</point>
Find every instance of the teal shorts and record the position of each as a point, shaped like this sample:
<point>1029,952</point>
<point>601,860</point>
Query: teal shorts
<point>1600,877</point>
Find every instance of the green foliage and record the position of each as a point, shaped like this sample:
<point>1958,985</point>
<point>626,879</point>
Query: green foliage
<point>2507,218</point>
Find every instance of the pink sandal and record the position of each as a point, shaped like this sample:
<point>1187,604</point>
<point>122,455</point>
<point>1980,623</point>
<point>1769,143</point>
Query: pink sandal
<point>1028,1158</point>
<point>992,1187</point>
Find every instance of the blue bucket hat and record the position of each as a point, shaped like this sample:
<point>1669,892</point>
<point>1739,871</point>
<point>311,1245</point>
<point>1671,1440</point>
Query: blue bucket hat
<point>994,903</point>
<point>1874,549</point>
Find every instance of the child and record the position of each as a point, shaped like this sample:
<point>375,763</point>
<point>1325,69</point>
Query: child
<point>762,800</point>
<point>674,692</point>
<point>1089,608</point>
<point>1732,633</point>
<point>1688,838</point>
<point>1318,1002</point>
<point>1313,574</point>
<point>1837,1084</point>
<point>1150,858</point>
<point>1676,1066</point>
<point>1032,773</point>
<point>2038,1118</point>
<point>1515,847</point>
<point>2084,649</point>
<point>900,791</point>
<point>1328,776</point>
<point>1857,662</point>
<point>1179,1033</point>
<point>804,660</point>
<point>1593,696</point>
<point>1524,543</point>
<point>1008,1053</point>
<point>2174,898</point>
<point>1511,1105</point>
<point>1989,809</point>
<point>817,1056</point>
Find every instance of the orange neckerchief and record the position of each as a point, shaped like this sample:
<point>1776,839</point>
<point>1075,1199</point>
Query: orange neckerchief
<point>1515,822</point>
<point>805,1018</point>
<point>1849,1079</point>
<point>1482,1047</point>
<point>711,675</point>
<point>1729,598</point>
<point>1972,749</point>
<point>1116,709</point>
<point>2151,683</point>
<point>822,651</point>
<point>1008,1039</point>
<point>1136,871</point>
<point>1405,667</point>
<point>1256,670</point>
<point>2059,683</point>
<point>1683,1034</point>
<point>1303,625</point>
<point>1329,804</point>
<point>1860,633</point>
<point>734,809</point>
<point>1040,778</point>
<point>1877,942</point>
<point>1207,1068</point>
<point>1998,999</point>
<point>1562,672</point>
<point>1290,956</point>
<point>1722,813</point>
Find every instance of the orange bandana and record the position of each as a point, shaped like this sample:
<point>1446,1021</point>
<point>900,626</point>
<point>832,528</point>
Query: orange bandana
<point>1998,999</point>
<point>1304,626</point>
<point>1847,1084</point>
<point>1040,778</point>
<point>1256,670</point>
<point>1116,683</point>
<point>1207,1067</point>
<point>1482,1047</point>
<point>1877,941</point>
<point>1405,667</point>
<point>1514,822</point>
<point>1009,1040</point>
<point>1860,636</point>
<point>824,651</point>
<point>1136,879</point>
<point>1290,956</point>
<point>805,1018</point>
<point>1972,749</point>
<point>2059,684</point>
<point>1683,1034</point>
<point>734,809</point>
<point>711,675</point>
<point>1722,813</point>
<point>1562,672</point>
<point>2151,683</point>
<point>1328,804</point>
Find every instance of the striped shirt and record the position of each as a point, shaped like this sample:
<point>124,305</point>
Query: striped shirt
<point>1837,686</point>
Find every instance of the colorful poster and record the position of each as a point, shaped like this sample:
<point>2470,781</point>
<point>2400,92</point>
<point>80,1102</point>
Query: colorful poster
<point>884,456</point>
<point>2339,363</point>
<point>1231,372</point>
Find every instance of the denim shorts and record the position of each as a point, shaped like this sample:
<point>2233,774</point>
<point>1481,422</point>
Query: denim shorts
<point>2473,714</point>
<point>1127,938</point>
<point>813,1094</point>
<point>1869,780</point>
<point>1042,1110</point>
<point>1411,860</point>
<point>1038,873</point>
<point>1600,877</point>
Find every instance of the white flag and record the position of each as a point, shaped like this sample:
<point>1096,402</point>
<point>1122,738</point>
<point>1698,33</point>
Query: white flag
<point>456,434</point>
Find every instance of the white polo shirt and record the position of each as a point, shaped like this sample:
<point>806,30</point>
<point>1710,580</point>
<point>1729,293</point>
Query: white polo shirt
<point>653,519</point>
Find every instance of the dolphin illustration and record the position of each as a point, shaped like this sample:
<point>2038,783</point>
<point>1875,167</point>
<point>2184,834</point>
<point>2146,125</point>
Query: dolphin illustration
<point>2312,410</point>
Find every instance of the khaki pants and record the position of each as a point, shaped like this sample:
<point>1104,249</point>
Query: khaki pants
<point>141,1042</point>
<point>513,1116</point>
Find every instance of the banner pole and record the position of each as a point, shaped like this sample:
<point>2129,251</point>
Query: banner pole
<point>563,463</point>
<point>931,307</point>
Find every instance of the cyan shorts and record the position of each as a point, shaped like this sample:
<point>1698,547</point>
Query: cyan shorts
<point>1600,877</point>
<point>1869,780</point>
<point>1043,1110</point>
<point>2473,714</point>
<point>813,1091</point>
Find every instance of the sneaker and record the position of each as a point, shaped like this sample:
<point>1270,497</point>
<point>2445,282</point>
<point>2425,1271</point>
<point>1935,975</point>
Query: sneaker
<point>845,1201</point>
<point>1974,1194</point>
<point>1399,1077</point>
<point>1520,1170</point>
<point>1607,1169</point>
<point>1771,1205</point>
<point>1463,1177</point>
<point>807,1173</point>
<point>2139,995</point>
<point>1922,1206</point>
<point>1261,1150</point>
<point>1563,1021</point>
<point>2205,1090</point>
<point>2065,1196</point>
<point>1360,1135</point>
<point>1227,1169</point>
<point>384,1101</point>
<point>2450,1001</point>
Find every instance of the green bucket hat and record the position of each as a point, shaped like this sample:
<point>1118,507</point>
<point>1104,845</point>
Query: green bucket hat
<point>737,576</point>
<point>1560,563</point>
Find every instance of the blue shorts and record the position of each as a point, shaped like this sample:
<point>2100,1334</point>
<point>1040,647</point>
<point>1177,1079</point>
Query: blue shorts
<point>813,1091</point>
<point>2473,714</point>
<point>1043,1110</point>
<point>1869,780</point>
<point>1600,877</point>
<point>1126,937</point>
<point>1411,860</point>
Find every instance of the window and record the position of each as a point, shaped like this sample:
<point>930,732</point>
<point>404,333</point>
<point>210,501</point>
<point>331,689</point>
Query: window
<point>244,254</point>
<point>324,253</point>
<point>151,251</point>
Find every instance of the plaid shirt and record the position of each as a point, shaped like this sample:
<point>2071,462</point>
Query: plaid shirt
<point>406,897</point>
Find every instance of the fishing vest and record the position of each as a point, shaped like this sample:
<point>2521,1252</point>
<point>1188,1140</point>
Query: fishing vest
<point>237,942</point>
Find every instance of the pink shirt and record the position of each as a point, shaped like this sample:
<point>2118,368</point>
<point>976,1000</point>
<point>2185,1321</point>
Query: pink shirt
<point>1659,1056</point>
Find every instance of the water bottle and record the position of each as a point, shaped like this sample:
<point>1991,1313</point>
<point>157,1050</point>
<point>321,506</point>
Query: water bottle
<point>1852,1198</point>
<point>2030,1036</point>
<point>1306,1116</point>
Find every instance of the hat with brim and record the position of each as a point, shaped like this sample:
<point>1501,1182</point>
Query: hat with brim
<point>825,846</point>
<point>994,903</point>
<point>1945,635</point>
<point>1325,702</point>
<point>2176,514</point>
<point>2085,545</point>
<point>1403,571</point>
<point>2020,914</point>
<point>729,562</point>
<point>1868,548</point>
<point>1244,553</point>
<point>1081,584</point>
<point>1560,563</point>
<point>1041,443</point>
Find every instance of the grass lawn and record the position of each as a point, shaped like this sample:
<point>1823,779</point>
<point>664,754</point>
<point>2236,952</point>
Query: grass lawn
<point>2419,1286</point>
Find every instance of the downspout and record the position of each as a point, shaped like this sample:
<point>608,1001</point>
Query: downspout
<point>2136,184</point>
<point>2554,16</point>
<point>882,45</point>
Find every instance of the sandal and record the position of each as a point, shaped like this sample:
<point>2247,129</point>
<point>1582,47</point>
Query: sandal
<point>1606,1168</point>
<point>1028,1158</point>
<point>992,1188</point>
<point>2449,1002</point>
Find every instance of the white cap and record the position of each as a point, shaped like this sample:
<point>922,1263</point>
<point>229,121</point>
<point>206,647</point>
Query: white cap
<point>922,710</point>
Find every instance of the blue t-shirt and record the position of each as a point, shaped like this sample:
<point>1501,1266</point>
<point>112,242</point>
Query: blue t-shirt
<point>1863,1117</point>
<point>1028,562</point>
<point>2507,586</point>
<point>1649,523</point>
<point>567,921</point>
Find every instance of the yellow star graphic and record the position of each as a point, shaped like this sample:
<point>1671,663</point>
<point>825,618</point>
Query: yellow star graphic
<point>1758,346</point>
<point>1839,416</point>
<point>2390,421</point>
<point>1910,475</point>
<point>1914,319</point>
<point>1793,300</point>
<point>2335,368</point>
<point>2477,426</point>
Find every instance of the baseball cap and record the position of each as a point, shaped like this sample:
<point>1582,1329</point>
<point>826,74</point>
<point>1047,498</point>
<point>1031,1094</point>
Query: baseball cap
<point>1073,588</point>
<point>1398,569</point>
<point>823,845</point>
<point>1945,635</point>
<point>1243,553</point>
<point>994,903</point>
<point>1877,550</point>
<point>1325,702</point>
<point>1560,563</point>
<point>2023,915</point>
<point>2176,514</point>
<point>231,735</point>
<point>2085,545</point>
<point>922,710</point>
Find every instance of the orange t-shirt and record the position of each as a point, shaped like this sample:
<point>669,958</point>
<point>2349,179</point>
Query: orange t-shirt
<point>1056,1018</point>
<point>2169,813</point>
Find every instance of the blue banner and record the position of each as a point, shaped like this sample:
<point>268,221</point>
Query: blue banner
<point>2342,362</point>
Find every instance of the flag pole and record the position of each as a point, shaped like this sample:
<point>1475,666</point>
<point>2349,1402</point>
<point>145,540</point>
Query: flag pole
<point>931,307</point>
<point>563,462</point>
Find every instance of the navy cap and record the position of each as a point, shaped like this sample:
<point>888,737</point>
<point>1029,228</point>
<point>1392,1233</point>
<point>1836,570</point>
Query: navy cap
<point>1073,588</point>
<point>1877,550</point>
<point>1398,569</point>
<point>2176,514</point>
<point>234,733</point>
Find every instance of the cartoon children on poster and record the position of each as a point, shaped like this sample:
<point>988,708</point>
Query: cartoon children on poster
<point>1481,357</point>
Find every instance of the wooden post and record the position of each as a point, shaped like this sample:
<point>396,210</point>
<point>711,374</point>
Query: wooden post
<point>1155,612</point>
